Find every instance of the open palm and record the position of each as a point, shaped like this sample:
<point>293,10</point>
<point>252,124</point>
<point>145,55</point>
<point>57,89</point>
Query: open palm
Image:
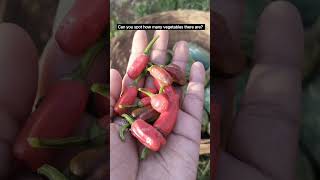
<point>262,142</point>
<point>178,159</point>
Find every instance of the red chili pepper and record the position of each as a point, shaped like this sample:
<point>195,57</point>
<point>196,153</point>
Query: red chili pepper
<point>157,84</point>
<point>167,119</point>
<point>128,97</point>
<point>159,102</point>
<point>144,101</point>
<point>161,75</point>
<point>57,115</point>
<point>146,133</point>
<point>153,90</point>
<point>82,26</point>
<point>135,113</point>
<point>176,73</point>
<point>141,62</point>
<point>150,115</point>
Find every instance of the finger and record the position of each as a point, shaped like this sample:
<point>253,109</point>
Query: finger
<point>194,97</point>
<point>232,11</point>
<point>55,64</point>
<point>123,156</point>
<point>159,52</point>
<point>19,71</point>
<point>159,49</point>
<point>224,90</point>
<point>62,10</point>
<point>230,168</point>
<point>181,55</point>
<point>139,42</point>
<point>115,84</point>
<point>115,88</point>
<point>266,130</point>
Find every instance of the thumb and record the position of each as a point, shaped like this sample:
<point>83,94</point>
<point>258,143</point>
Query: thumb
<point>19,72</point>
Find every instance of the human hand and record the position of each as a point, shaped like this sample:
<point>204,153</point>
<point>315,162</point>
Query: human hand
<point>178,159</point>
<point>25,75</point>
<point>262,142</point>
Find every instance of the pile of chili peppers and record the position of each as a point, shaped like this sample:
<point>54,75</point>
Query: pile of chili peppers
<point>150,113</point>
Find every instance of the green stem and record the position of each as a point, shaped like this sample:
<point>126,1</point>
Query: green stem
<point>150,64</point>
<point>144,153</point>
<point>51,173</point>
<point>122,131</point>
<point>136,81</point>
<point>101,89</point>
<point>149,68</point>
<point>61,142</point>
<point>161,89</point>
<point>82,70</point>
<point>128,118</point>
<point>150,94</point>
<point>128,106</point>
<point>149,46</point>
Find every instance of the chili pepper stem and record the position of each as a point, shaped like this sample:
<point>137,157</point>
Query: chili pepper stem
<point>161,89</point>
<point>128,106</point>
<point>122,132</point>
<point>82,70</point>
<point>101,89</point>
<point>144,153</point>
<point>51,172</point>
<point>128,118</point>
<point>149,68</point>
<point>60,142</point>
<point>149,46</point>
<point>150,64</point>
<point>136,81</point>
<point>146,92</point>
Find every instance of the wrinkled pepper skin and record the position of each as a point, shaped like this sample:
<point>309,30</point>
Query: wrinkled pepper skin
<point>167,120</point>
<point>147,135</point>
<point>82,26</point>
<point>138,66</point>
<point>161,75</point>
<point>159,102</point>
<point>176,73</point>
<point>128,97</point>
<point>56,117</point>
